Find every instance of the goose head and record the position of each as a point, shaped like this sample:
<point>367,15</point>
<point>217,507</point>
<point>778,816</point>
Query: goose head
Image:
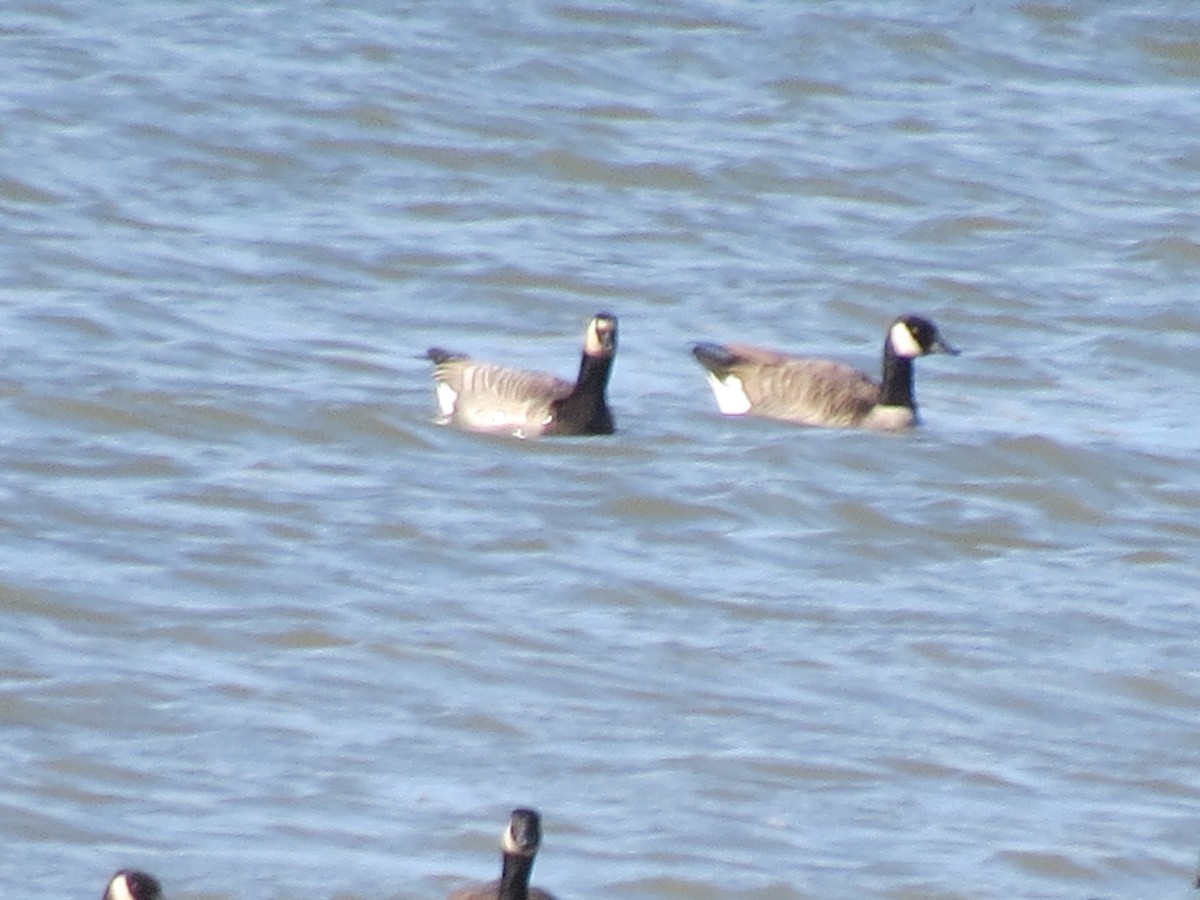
<point>132,885</point>
<point>601,336</point>
<point>913,336</point>
<point>523,834</point>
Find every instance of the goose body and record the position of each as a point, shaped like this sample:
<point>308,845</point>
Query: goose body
<point>128,884</point>
<point>820,392</point>
<point>479,396</point>
<point>519,846</point>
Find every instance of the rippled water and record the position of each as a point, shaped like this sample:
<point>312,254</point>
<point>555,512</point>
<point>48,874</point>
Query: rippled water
<point>269,632</point>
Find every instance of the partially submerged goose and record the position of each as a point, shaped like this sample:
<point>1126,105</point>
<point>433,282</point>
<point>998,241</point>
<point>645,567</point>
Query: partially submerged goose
<point>481,396</point>
<point>753,381</point>
<point>519,846</point>
<point>131,885</point>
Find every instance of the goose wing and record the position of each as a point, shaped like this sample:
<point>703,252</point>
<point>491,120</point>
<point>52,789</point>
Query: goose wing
<point>767,383</point>
<point>809,391</point>
<point>486,397</point>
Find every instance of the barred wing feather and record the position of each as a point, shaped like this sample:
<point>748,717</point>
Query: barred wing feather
<point>488,397</point>
<point>808,391</point>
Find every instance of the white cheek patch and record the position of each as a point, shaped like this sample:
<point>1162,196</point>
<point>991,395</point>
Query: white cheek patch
<point>447,397</point>
<point>119,889</point>
<point>731,396</point>
<point>509,843</point>
<point>904,343</point>
<point>591,341</point>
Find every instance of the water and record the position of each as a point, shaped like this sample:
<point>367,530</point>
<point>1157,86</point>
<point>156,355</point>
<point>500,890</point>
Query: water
<point>269,632</point>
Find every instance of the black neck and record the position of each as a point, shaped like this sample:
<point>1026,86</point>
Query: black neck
<point>584,410</point>
<point>896,388</point>
<point>514,877</point>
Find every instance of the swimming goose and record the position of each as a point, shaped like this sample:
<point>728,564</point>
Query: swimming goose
<point>750,380</point>
<point>480,396</point>
<point>519,845</point>
<point>130,885</point>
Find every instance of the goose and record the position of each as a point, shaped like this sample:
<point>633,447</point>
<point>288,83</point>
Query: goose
<point>519,845</point>
<point>128,884</point>
<point>750,380</point>
<point>478,396</point>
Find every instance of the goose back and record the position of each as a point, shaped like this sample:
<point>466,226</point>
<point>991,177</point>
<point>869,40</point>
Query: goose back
<point>806,391</point>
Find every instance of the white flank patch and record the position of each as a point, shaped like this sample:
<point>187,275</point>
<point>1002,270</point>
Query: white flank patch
<point>904,343</point>
<point>446,398</point>
<point>731,396</point>
<point>118,889</point>
<point>500,419</point>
